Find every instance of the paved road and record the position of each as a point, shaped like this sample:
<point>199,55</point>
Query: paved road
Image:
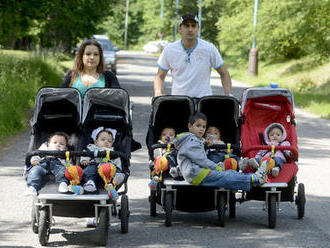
<point>136,72</point>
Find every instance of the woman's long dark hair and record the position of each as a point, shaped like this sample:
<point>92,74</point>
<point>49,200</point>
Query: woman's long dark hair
<point>79,66</point>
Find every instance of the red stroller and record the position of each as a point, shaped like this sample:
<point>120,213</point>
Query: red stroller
<point>259,108</point>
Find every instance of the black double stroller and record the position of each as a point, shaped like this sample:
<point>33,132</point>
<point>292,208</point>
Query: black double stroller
<point>175,193</point>
<point>62,109</point>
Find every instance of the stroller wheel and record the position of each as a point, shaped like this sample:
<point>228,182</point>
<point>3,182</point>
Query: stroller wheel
<point>152,202</point>
<point>44,226</point>
<point>124,213</point>
<point>272,210</point>
<point>222,201</point>
<point>168,207</point>
<point>103,226</point>
<point>301,200</point>
<point>34,216</point>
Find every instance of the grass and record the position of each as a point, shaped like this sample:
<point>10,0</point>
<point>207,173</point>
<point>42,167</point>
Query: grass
<point>309,81</point>
<point>21,75</point>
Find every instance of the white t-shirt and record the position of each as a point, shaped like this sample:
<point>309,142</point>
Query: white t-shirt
<point>191,70</point>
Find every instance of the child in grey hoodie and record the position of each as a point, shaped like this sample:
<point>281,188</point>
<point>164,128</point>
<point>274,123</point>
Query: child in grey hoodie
<point>197,169</point>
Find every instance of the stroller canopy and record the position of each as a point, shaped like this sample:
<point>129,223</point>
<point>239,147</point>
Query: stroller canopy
<point>115,98</point>
<point>56,95</point>
<point>261,107</point>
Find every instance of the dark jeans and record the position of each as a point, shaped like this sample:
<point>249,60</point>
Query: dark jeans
<point>90,173</point>
<point>37,174</point>
<point>217,156</point>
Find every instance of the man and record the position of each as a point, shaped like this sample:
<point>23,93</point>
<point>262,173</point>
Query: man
<point>190,61</point>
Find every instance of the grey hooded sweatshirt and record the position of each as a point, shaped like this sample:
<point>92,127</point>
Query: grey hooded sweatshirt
<point>192,160</point>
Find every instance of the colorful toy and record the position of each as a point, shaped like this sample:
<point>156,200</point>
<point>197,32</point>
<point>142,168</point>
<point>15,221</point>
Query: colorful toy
<point>271,163</point>
<point>161,164</point>
<point>230,164</point>
<point>154,183</point>
<point>76,189</point>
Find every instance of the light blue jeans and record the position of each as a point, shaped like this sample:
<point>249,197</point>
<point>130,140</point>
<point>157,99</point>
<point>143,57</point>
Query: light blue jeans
<point>228,179</point>
<point>37,174</point>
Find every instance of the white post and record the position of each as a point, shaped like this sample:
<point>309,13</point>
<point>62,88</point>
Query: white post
<point>126,23</point>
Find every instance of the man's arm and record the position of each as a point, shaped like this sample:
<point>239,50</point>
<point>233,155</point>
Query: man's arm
<point>159,82</point>
<point>225,79</point>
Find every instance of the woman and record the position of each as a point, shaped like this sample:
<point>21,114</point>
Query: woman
<point>88,70</point>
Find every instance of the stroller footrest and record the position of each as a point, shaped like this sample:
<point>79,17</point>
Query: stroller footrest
<point>274,185</point>
<point>100,197</point>
<point>170,182</point>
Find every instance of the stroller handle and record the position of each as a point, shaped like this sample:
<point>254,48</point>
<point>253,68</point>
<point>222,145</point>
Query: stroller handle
<point>156,146</point>
<point>62,154</point>
<point>293,150</point>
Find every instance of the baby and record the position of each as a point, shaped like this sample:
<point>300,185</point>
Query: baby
<point>167,136</point>
<point>103,141</point>
<point>274,134</point>
<point>36,176</point>
<point>213,137</point>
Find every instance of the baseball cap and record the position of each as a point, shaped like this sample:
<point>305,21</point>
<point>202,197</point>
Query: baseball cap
<point>188,17</point>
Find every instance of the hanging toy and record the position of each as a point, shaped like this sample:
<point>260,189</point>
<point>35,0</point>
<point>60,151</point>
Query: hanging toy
<point>154,183</point>
<point>229,163</point>
<point>166,139</point>
<point>74,174</point>
<point>271,161</point>
<point>107,171</point>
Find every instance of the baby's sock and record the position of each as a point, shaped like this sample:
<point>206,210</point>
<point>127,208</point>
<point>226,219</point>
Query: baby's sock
<point>254,179</point>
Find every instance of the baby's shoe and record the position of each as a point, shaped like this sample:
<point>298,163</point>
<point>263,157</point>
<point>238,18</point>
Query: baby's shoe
<point>63,187</point>
<point>90,186</point>
<point>275,171</point>
<point>261,173</point>
<point>30,191</point>
<point>91,222</point>
<point>242,164</point>
<point>253,163</point>
<point>174,172</point>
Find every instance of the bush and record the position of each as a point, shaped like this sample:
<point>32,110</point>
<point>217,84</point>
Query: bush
<point>20,79</point>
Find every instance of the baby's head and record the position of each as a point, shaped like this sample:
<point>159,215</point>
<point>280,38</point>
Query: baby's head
<point>275,133</point>
<point>104,137</point>
<point>213,133</point>
<point>167,135</point>
<point>58,141</point>
<point>197,124</point>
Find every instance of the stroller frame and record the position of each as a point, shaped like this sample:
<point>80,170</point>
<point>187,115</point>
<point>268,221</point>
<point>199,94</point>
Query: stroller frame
<point>276,190</point>
<point>169,194</point>
<point>48,204</point>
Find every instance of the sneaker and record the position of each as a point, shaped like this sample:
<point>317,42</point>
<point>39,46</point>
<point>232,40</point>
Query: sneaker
<point>63,187</point>
<point>91,222</point>
<point>174,172</point>
<point>220,167</point>
<point>253,163</point>
<point>242,164</point>
<point>261,173</point>
<point>30,191</point>
<point>275,171</point>
<point>90,186</point>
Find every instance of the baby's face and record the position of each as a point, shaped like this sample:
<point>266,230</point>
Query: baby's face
<point>57,142</point>
<point>104,139</point>
<point>167,133</point>
<point>275,135</point>
<point>212,133</point>
<point>198,128</point>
